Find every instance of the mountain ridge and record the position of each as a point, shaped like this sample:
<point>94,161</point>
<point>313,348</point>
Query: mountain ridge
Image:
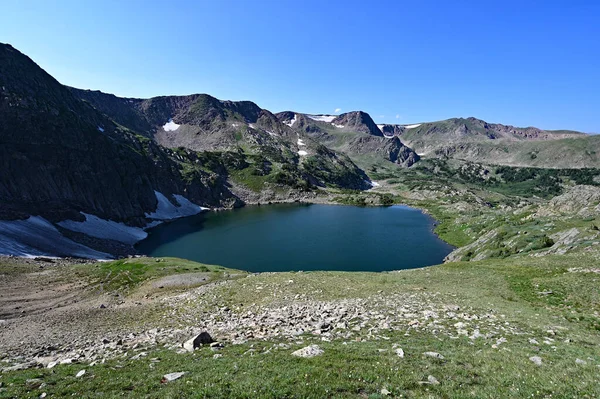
<point>68,153</point>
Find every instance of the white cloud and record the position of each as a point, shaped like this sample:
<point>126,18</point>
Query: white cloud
<point>397,116</point>
<point>337,110</point>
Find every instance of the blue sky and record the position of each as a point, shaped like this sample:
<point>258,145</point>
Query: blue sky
<point>526,63</point>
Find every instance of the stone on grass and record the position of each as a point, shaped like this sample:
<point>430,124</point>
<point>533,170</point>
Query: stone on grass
<point>400,352</point>
<point>80,374</point>
<point>203,338</point>
<point>308,351</point>
<point>172,376</point>
<point>432,380</point>
<point>19,367</point>
<point>536,359</point>
<point>434,355</point>
<point>385,392</point>
<point>581,362</point>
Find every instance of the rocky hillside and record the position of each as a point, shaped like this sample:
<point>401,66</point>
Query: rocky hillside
<point>353,133</point>
<point>475,140</point>
<point>60,156</point>
<point>258,138</point>
<point>466,129</point>
<point>357,121</point>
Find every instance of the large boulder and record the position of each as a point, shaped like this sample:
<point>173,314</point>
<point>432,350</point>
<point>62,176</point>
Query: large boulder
<point>203,338</point>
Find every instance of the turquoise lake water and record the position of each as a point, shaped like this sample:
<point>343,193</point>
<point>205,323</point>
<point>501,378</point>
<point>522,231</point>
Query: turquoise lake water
<point>303,237</point>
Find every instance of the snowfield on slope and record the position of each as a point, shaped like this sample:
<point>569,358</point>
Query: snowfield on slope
<point>322,118</point>
<point>106,229</point>
<point>291,122</point>
<point>165,210</point>
<point>36,236</point>
<point>170,126</point>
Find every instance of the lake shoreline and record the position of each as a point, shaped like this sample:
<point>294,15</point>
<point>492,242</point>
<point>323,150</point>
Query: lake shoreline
<point>379,240</point>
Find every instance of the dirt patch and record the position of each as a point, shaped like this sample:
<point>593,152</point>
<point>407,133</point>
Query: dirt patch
<point>185,280</point>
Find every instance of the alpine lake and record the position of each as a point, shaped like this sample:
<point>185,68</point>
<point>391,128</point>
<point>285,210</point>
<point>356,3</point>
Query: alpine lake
<point>295,237</point>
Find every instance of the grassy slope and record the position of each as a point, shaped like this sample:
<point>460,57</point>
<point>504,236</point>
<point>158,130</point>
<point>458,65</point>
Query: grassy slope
<point>471,368</point>
<point>126,275</point>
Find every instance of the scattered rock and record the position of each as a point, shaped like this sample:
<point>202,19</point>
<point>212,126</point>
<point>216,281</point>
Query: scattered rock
<point>400,352</point>
<point>536,359</point>
<point>18,367</point>
<point>308,351</point>
<point>432,380</point>
<point>434,355</point>
<point>80,374</point>
<point>385,392</point>
<point>580,362</point>
<point>33,383</point>
<point>172,377</point>
<point>203,338</point>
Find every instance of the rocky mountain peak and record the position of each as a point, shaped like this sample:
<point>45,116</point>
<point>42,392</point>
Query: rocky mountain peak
<point>357,121</point>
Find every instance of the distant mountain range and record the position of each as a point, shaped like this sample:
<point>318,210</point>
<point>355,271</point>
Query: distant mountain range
<point>66,153</point>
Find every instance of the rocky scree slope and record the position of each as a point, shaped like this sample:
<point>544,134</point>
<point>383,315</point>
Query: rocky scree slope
<point>201,123</point>
<point>353,133</point>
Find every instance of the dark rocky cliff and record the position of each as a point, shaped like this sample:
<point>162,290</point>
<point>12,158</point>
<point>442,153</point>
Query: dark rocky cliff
<point>59,155</point>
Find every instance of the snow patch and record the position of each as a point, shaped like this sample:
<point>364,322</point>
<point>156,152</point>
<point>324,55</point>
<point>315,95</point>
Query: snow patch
<point>170,126</point>
<point>322,118</point>
<point>272,134</point>
<point>373,184</point>
<point>301,142</point>
<point>106,229</point>
<point>165,210</point>
<point>100,129</point>
<point>291,122</point>
<point>388,137</point>
<point>36,236</point>
<point>302,152</point>
<point>338,126</point>
<point>153,223</point>
<point>412,126</point>
<point>380,127</point>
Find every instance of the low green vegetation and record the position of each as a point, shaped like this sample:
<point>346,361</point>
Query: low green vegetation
<point>553,307</point>
<point>125,275</point>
